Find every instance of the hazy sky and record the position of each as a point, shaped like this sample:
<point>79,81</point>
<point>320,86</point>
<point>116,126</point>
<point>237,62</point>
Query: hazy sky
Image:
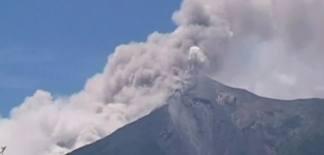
<point>57,45</point>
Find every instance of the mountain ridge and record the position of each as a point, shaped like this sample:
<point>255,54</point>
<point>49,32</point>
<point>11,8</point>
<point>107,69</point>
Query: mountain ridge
<point>210,118</point>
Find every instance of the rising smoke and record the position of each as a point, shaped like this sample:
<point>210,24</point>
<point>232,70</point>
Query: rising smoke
<point>271,47</point>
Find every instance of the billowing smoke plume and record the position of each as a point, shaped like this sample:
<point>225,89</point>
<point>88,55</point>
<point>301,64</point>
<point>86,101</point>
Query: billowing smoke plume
<point>271,47</point>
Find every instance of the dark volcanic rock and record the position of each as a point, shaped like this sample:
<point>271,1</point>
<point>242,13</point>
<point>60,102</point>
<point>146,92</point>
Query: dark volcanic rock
<point>212,119</point>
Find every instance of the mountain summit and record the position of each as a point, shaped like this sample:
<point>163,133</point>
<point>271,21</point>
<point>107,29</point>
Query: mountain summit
<point>212,119</point>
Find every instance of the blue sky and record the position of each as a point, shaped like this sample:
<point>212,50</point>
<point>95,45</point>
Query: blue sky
<point>56,45</point>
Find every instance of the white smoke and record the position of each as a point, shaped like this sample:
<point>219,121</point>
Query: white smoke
<point>271,47</point>
<point>197,60</point>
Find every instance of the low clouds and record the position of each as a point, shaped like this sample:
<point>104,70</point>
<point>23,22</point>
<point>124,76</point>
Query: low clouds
<point>273,48</point>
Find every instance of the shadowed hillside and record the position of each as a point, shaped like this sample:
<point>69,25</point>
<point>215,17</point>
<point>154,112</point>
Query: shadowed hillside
<point>212,119</point>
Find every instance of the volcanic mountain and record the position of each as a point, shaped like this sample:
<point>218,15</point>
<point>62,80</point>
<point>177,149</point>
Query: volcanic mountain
<point>210,118</point>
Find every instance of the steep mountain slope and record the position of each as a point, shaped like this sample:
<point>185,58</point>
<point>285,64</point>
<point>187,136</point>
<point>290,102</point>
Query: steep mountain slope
<point>212,119</point>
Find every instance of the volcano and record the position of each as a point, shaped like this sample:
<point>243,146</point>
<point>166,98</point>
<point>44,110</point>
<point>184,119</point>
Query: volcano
<point>210,118</point>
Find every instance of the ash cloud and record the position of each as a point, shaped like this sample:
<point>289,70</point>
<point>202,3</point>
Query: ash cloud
<point>271,47</point>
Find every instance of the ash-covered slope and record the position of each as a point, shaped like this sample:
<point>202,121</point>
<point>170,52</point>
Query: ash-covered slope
<point>212,119</point>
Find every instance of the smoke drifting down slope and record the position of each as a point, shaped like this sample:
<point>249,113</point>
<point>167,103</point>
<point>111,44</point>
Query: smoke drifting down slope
<point>212,119</point>
<point>271,47</point>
